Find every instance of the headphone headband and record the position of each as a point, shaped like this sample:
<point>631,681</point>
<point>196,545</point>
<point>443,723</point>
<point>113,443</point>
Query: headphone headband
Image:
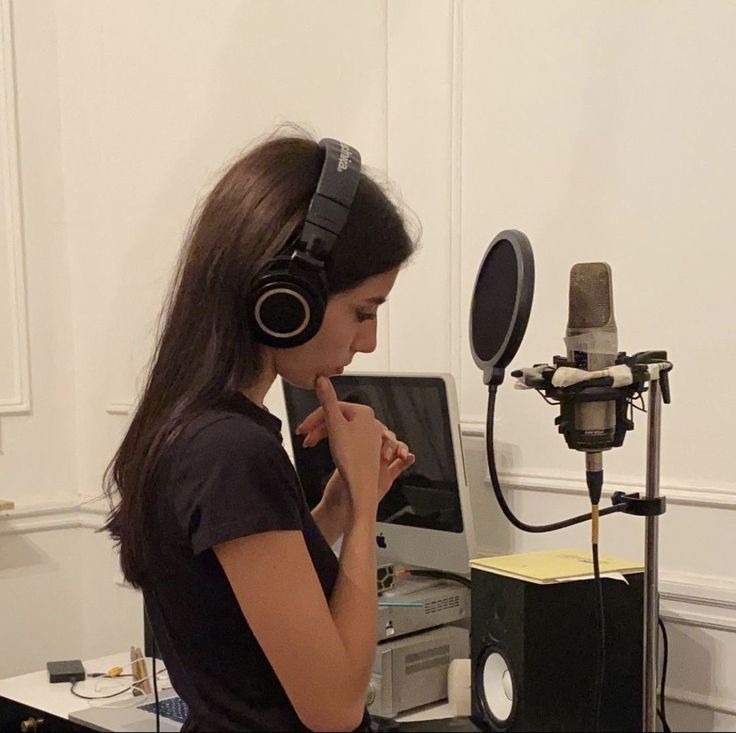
<point>330,205</point>
<point>289,297</point>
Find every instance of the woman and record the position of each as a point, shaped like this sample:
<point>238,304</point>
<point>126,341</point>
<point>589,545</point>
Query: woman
<point>260,625</point>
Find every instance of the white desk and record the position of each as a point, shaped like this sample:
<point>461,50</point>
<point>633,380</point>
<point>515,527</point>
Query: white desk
<point>35,690</point>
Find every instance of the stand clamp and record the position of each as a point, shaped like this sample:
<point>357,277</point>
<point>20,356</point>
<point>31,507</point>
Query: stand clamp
<point>639,507</point>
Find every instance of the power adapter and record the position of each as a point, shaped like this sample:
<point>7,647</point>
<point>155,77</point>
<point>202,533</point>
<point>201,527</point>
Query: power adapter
<point>66,670</point>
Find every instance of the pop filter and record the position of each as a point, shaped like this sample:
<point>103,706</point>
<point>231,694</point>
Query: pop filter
<point>502,301</point>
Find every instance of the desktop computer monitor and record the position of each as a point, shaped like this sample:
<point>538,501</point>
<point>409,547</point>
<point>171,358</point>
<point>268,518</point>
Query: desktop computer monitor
<point>424,520</point>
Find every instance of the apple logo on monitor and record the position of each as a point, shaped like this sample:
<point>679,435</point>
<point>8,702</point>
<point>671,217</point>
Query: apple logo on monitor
<point>381,541</point>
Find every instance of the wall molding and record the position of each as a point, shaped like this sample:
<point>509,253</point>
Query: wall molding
<point>699,620</point>
<point>698,496</point>
<point>683,596</point>
<point>678,494</point>
<point>19,402</point>
<point>698,700</point>
<point>43,517</point>
<point>717,592</point>
<point>472,428</point>
<point>119,408</point>
<point>714,591</point>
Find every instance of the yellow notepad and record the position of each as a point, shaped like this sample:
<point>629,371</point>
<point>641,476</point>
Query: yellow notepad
<point>552,566</point>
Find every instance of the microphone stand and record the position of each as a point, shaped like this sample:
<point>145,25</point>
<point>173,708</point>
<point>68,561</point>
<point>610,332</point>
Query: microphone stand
<point>650,506</point>
<point>651,567</point>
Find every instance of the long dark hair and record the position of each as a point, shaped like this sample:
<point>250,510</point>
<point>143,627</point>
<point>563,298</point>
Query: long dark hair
<point>204,350</point>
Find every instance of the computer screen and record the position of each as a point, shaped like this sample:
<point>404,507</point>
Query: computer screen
<point>422,518</point>
<point>426,494</point>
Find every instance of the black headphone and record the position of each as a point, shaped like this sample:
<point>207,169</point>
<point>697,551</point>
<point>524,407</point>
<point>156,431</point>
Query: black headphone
<point>288,297</point>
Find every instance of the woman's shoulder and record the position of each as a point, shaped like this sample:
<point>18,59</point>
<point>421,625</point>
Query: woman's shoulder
<point>226,445</point>
<point>223,431</point>
<point>221,462</point>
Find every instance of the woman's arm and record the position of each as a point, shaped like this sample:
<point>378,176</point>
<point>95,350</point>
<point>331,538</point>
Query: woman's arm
<point>332,514</point>
<point>354,601</point>
<point>322,653</point>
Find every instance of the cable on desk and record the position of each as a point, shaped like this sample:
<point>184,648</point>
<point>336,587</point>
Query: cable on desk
<point>438,574</point>
<point>101,697</point>
<point>135,700</point>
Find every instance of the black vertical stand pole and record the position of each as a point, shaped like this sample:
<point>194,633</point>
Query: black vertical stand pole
<point>651,569</point>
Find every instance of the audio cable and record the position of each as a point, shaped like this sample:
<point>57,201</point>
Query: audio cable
<point>594,480</point>
<point>439,574</point>
<point>155,686</point>
<point>601,672</point>
<point>105,675</point>
<point>125,688</point>
<point>665,654</point>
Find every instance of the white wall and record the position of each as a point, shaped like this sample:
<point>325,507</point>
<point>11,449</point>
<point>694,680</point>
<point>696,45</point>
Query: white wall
<point>148,125</point>
<point>36,350</point>
<point>61,588</point>
<point>600,129</point>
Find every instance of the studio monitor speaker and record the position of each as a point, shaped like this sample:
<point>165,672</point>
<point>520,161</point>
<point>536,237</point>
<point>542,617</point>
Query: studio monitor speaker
<point>535,654</point>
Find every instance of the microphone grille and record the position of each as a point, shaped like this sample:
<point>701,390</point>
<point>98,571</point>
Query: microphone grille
<point>591,295</point>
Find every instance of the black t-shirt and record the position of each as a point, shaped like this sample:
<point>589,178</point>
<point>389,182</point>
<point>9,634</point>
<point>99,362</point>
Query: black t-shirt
<point>226,476</point>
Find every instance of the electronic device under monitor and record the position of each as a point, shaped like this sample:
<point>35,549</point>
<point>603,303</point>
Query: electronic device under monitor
<point>424,520</point>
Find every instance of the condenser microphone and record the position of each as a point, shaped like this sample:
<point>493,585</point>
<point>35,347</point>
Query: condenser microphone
<point>591,337</point>
<point>592,345</point>
<point>499,313</point>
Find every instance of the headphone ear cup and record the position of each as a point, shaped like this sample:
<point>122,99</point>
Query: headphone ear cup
<point>285,309</point>
<point>287,301</point>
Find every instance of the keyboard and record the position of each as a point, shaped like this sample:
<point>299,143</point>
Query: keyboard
<point>173,708</point>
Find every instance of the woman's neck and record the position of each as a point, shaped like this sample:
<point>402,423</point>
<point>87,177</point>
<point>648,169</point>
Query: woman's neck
<point>257,392</point>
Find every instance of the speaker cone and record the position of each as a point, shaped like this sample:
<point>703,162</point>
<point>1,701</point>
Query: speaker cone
<point>495,687</point>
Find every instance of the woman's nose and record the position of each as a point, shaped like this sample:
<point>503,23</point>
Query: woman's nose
<point>366,340</point>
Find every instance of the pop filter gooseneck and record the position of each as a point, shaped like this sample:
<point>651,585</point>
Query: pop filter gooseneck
<point>499,313</point>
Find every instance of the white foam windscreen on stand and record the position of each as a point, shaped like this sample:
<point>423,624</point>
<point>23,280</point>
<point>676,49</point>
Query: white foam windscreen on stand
<point>458,687</point>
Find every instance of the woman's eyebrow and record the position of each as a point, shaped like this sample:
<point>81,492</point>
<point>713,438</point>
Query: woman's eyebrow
<point>378,300</point>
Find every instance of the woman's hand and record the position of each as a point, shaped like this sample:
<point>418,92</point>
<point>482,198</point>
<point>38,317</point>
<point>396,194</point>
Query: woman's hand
<point>355,438</point>
<point>395,455</point>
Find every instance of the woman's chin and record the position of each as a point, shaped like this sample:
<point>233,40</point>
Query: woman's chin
<point>330,372</point>
<point>308,382</point>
